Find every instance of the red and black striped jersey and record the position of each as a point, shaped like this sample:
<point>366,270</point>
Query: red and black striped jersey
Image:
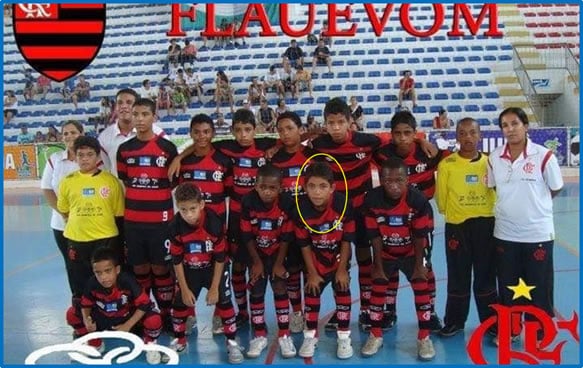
<point>198,247</point>
<point>246,161</point>
<point>290,165</point>
<point>354,155</point>
<point>143,168</point>
<point>267,226</point>
<point>397,222</point>
<point>325,247</point>
<point>118,302</point>
<point>420,168</point>
<point>212,175</point>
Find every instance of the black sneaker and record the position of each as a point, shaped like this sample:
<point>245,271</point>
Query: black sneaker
<point>241,320</point>
<point>332,324</point>
<point>435,323</point>
<point>450,330</point>
<point>364,321</point>
<point>389,321</point>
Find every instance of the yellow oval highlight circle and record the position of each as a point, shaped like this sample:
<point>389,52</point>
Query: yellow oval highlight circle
<point>345,191</point>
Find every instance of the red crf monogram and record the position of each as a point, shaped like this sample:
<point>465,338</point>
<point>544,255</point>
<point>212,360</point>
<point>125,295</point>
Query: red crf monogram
<point>509,324</point>
<point>528,167</point>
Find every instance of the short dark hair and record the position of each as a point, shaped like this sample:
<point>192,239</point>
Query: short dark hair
<point>467,120</point>
<point>145,81</point>
<point>202,119</point>
<point>403,117</point>
<point>320,169</point>
<point>187,192</point>
<point>513,110</point>
<point>86,142</point>
<point>393,163</point>
<point>270,171</point>
<point>146,102</point>
<point>127,91</point>
<point>337,106</point>
<point>75,123</point>
<point>291,116</point>
<point>243,116</point>
<point>105,254</point>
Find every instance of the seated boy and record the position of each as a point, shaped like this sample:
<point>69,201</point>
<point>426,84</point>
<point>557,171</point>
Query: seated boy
<point>198,247</point>
<point>114,300</point>
<point>398,219</point>
<point>266,230</point>
<point>324,236</point>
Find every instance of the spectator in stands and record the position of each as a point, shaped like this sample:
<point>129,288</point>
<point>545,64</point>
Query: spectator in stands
<point>312,40</point>
<point>39,137</point>
<point>407,89</point>
<point>265,118</point>
<point>188,53</point>
<point>193,85</point>
<point>247,106</point>
<point>173,52</point>
<point>25,137</point>
<point>105,109</point>
<point>281,108</point>
<point>322,56</point>
<point>28,91</point>
<point>314,128</point>
<point>7,11</point>
<point>163,99</point>
<point>442,121</point>
<point>10,106</point>
<point>178,100</point>
<point>81,91</point>
<point>273,80</point>
<point>43,86</point>
<point>235,37</point>
<point>27,72</point>
<point>179,80</point>
<point>327,39</point>
<point>287,78</point>
<point>223,90</point>
<point>147,91</point>
<point>53,134</point>
<point>302,81</point>
<point>255,92</point>
<point>356,113</point>
<point>294,54</point>
<point>66,90</point>
<point>222,126</point>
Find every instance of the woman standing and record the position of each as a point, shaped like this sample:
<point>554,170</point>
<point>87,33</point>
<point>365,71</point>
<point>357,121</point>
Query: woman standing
<point>357,113</point>
<point>59,165</point>
<point>526,177</point>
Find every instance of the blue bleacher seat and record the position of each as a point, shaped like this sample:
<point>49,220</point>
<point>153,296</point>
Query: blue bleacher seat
<point>468,71</point>
<point>343,75</point>
<point>440,96</point>
<point>425,123</point>
<point>373,124</point>
<point>169,131</point>
<point>367,86</point>
<point>335,87</point>
<point>373,98</point>
<point>383,86</point>
<point>471,108</point>
<point>374,74</point>
<point>424,97</point>
<point>483,122</point>
<point>484,71</point>
<point>481,83</point>
<point>489,108</point>
<point>384,110</point>
<point>475,95</point>
<point>432,85</point>
<point>183,131</point>
<point>492,95</point>
<point>452,71</point>
<point>436,71</point>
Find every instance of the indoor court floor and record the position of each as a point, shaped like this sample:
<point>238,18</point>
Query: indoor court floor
<point>36,296</point>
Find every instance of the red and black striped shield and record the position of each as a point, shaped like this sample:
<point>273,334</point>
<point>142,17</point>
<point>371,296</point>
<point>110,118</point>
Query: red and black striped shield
<point>59,40</point>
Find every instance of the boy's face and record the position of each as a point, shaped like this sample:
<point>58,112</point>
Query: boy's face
<point>394,182</point>
<point>403,136</point>
<point>319,190</point>
<point>468,135</point>
<point>268,189</point>
<point>123,106</point>
<point>244,133</point>
<point>143,119</point>
<point>289,133</point>
<point>87,159</point>
<point>191,211</point>
<point>202,135</point>
<point>106,273</point>
<point>337,126</point>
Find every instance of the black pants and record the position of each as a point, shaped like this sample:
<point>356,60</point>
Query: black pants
<point>470,246</point>
<point>79,254</point>
<point>533,262</point>
<point>63,246</point>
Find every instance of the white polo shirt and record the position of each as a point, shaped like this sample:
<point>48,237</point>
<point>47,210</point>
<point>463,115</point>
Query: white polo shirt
<point>110,140</point>
<point>524,206</point>
<point>57,167</point>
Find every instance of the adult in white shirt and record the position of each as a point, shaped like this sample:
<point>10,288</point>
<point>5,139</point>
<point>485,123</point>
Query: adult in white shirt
<point>147,91</point>
<point>526,176</point>
<point>59,165</point>
<point>273,80</point>
<point>123,129</point>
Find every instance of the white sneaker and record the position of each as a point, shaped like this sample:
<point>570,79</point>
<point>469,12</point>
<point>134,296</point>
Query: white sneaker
<point>308,347</point>
<point>296,323</point>
<point>153,357</point>
<point>256,346</point>
<point>190,325</point>
<point>344,350</point>
<point>235,352</point>
<point>286,345</point>
<point>174,345</point>
<point>425,350</point>
<point>372,346</point>
<point>217,325</point>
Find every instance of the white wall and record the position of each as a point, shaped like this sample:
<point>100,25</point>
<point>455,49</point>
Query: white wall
<point>567,105</point>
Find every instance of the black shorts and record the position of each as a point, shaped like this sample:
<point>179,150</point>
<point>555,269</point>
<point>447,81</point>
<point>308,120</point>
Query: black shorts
<point>294,258</point>
<point>203,278</point>
<point>360,231</point>
<point>79,255</point>
<point>237,250</point>
<point>322,60</point>
<point>403,264</point>
<point>147,245</point>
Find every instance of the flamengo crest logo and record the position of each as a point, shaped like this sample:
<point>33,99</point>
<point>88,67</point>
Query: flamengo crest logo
<point>59,40</point>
